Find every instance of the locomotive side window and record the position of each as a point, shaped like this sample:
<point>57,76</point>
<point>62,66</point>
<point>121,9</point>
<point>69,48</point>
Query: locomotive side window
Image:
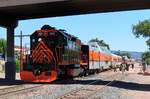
<point>51,33</point>
<point>40,34</point>
<point>69,44</point>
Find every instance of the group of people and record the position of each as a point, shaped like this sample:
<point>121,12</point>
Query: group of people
<point>123,67</point>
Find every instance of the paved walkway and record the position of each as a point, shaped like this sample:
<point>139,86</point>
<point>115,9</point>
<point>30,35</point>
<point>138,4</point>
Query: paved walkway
<point>140,82</point>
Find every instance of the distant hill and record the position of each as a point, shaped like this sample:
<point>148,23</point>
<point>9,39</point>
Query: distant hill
<point>133,54</point>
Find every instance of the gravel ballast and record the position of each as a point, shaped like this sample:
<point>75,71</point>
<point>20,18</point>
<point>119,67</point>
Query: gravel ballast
<point>133,86</point>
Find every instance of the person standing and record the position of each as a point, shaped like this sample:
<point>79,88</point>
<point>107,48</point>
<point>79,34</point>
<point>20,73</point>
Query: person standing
<point>120,67</point>
<point>111,65</point>
<point>132,66</point>
<point>115,67</point>
<point>127,67</point>
<point>144,64</point>
<point>143,67</point>
<point>123,67</point>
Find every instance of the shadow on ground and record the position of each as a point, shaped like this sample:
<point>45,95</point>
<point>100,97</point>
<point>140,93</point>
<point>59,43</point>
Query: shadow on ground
<point>117,84</point>
<point>144,74</point>
<point>4,82</point>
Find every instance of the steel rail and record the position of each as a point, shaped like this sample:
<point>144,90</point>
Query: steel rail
<point>106,86</point>
<point>16,89</point>
<point>89,90</point>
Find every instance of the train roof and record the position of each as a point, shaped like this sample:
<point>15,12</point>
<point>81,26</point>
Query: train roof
<point>125,57</point>
<point>65,34</point>
<point>116,55</point>
<point>104,49</point>
<point>61,31</point>
<point>98,48</point>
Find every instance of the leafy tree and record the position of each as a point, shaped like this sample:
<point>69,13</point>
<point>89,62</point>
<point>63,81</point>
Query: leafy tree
<point>17,65</point>
<point>126,54</point>
<point>123,54</point>
<point>147,61</point>
<point>148,42</point>
<point>3,46</point>
<point>145,55</point>
<point>142,29</point>
<point>100,42</point>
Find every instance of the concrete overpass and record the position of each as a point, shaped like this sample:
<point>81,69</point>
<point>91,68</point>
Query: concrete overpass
<point>13,10</point>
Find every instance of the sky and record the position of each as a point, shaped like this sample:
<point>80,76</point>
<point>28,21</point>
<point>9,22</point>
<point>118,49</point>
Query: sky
<point>115,28</point>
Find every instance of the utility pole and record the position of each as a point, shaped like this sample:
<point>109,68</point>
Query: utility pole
<point>21,36</point>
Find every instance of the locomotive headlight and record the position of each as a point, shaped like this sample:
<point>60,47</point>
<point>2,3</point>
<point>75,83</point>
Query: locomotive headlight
<point>51,33</point>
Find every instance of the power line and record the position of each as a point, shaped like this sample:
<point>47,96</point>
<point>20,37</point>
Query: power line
<point>22,35</point>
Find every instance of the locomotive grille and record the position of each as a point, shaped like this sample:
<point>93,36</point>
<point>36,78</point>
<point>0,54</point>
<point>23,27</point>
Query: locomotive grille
<point>42,54</point>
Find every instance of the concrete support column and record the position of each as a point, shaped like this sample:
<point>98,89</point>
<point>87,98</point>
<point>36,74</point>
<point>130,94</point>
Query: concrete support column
<point>10,66</point>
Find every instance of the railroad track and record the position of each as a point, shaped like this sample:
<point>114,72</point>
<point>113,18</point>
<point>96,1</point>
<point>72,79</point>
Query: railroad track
<point>91,88</point>
<point>18,89</point>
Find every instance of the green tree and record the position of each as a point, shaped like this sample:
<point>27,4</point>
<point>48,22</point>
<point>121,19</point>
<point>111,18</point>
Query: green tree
<point>100,42</point>
<point>123,54</point>
<point>17,65</point>
<point>142,29</point>
<point>126,54</point>
<point>147,61</point>
<point>3,46</point>
<point>145,55</point>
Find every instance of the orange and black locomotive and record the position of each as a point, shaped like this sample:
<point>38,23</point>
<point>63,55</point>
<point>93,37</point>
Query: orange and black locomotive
<point>53,53</point>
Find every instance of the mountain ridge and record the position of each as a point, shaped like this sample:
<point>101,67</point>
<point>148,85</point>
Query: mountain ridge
<point>134,54</point>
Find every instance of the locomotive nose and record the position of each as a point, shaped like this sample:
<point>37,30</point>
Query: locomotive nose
<point>43,55</point>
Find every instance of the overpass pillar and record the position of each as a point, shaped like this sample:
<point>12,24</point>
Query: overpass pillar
<point>10,66</point>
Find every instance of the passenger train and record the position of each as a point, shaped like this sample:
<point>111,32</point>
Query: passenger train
<point>57,54</point>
